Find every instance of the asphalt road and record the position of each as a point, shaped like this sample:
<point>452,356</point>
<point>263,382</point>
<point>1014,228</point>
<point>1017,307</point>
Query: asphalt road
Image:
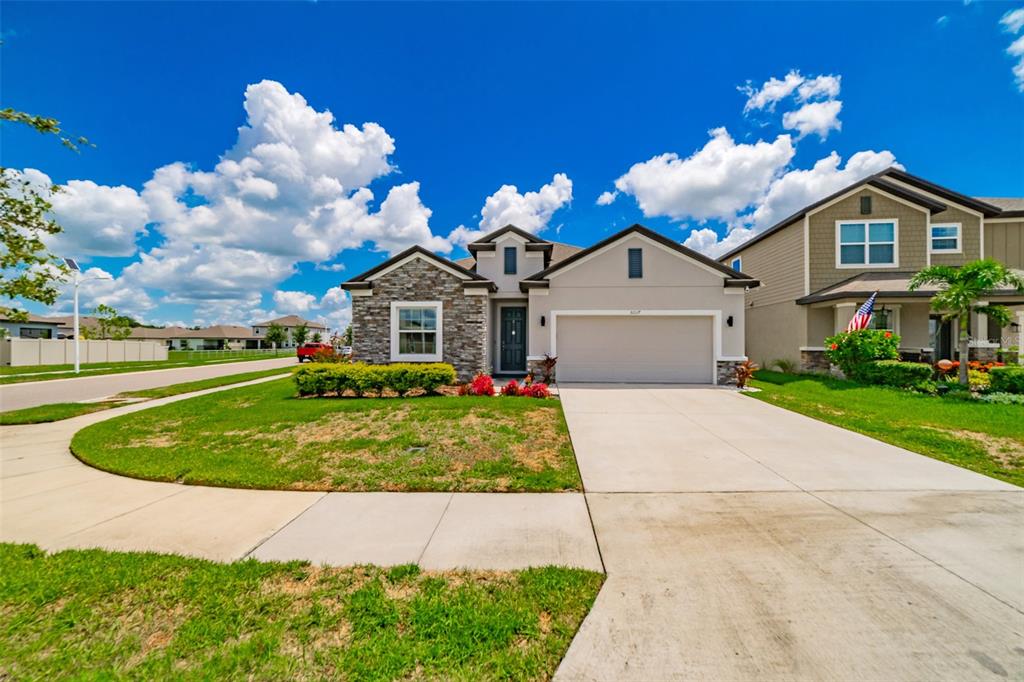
<point>30,394</point>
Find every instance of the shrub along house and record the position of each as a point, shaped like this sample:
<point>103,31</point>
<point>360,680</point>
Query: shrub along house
<point>820,264</point>
<point>635,307</point>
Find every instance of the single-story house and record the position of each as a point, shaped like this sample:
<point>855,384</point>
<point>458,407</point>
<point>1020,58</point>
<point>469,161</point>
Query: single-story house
<point>635,307</point>
<point>217,337</point>
<point>35,327</point>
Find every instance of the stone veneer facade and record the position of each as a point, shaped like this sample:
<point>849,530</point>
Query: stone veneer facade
<point>726,370</point>
<point>464,316</point>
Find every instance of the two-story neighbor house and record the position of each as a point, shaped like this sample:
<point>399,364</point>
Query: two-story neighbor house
<point>289,323</point>
<point>820,264</point>
<point>634,307</point>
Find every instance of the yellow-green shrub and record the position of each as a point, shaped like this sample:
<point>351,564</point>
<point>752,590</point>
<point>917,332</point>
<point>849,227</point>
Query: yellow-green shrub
<point>323,378</point>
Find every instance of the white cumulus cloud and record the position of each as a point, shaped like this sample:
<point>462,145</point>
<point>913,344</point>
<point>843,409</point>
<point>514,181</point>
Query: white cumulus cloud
<point>716,182</point>
<point>607,198</point>
<point>529,211</point>
<point>97,220</point>
<point>791,192</point>
<point>1013,22</point>
<point>814,118</point>
<point>293,301</point>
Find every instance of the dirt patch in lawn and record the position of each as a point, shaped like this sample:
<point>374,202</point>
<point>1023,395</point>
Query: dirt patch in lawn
<point>1007,451</point>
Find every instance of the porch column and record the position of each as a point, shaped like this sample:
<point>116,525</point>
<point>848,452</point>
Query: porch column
<point>843,314</point>
<point>984,350</point>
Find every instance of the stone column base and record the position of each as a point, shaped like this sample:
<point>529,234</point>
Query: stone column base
<point>814,361</point>
<point>725,371</point>
<point>982,354</point>
<point>535,368</point>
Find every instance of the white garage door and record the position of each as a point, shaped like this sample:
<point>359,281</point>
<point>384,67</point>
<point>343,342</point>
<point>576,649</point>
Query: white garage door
<point>634,349</point>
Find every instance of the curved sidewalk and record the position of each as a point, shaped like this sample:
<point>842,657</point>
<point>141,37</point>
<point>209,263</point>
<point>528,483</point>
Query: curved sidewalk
<point>50,498</point>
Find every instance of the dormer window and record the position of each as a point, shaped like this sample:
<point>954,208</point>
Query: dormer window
<point>510,260</point>
<point>636,263</point>
<point>736,264</point>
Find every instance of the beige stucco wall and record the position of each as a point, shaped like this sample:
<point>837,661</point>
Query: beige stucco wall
<point>1005,243</point>
<point>970,233</point>
<point>911,242</point>
<point>914,326</point>
<point>670,282</point>
<point>491,264</point>
<point>821,323</point>
<point>776,332</point>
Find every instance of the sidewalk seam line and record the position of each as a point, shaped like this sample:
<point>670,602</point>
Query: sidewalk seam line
<point>451,496</point>
<point>323,496</point>
<point>583,486</point>
<point>124,513</point>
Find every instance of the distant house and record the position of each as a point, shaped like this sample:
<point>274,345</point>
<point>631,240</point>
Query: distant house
<point>290,323</point>
<point>217,337</point>
<point>35,327</point>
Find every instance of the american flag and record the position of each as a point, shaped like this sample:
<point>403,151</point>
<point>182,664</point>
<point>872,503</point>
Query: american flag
<point>862,318</point>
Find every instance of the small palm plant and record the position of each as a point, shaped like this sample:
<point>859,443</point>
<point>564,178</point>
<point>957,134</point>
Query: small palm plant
<point>960,289</point>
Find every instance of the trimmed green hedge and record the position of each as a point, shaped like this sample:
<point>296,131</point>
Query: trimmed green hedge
<point>401,377</point>
<point>1007,379</point>
<point>894,373</point>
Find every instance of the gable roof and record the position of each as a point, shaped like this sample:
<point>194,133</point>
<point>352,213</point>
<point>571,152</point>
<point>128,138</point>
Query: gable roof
<point>987,209</point>
<point>290,321</point>
<point>491,237</point>
<point>559,251</point>
<point>877,181</point>
<point>1009,207</point>
<point>733,277</point>
<point>363,281</point>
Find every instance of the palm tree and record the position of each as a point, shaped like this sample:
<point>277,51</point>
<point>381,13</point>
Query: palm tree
<point>960,289</point>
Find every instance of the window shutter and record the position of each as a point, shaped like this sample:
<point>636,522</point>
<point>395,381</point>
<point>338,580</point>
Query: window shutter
<point>636,263</point>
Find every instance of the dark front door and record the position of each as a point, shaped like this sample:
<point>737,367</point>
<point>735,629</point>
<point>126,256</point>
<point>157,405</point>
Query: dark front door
<point>513,339</point>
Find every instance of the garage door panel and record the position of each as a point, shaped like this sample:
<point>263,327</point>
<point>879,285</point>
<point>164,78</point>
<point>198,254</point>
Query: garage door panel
<point>647,349</point>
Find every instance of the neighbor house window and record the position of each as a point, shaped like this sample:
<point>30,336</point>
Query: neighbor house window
<point>636,263</point>
<point>869,243</point>
<point>736,264</point>
<point>510,260</point>
<point>416,331</point>
<point>945,238</point>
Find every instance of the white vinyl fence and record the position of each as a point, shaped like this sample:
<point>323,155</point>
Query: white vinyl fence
<point>31,352</point>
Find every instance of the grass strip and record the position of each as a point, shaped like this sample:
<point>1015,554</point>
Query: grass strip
<point>93,614</point>
<point>983,437</point>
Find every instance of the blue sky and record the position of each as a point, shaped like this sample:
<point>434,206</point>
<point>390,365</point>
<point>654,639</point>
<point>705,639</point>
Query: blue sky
<point>559,100</point>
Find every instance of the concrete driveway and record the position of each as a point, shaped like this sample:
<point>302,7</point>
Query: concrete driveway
<point>743,541</point>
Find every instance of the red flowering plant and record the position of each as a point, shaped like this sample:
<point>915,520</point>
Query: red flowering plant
<point>511,388</point>
<point>851,351</point>
<point>482,384</point>
<point>535,390</point>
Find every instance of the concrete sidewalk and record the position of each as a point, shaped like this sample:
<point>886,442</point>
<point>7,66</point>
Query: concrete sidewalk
<point>50,498</point>
<point>79,389</point>
<point>746,542</point>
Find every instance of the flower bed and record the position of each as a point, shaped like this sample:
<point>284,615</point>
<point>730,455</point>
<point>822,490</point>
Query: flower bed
<point>483,384</point>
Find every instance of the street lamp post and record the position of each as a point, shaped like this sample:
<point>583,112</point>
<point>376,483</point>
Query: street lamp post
<point>77,280</point>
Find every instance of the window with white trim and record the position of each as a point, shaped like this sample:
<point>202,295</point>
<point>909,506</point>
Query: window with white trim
<point>945,238</point>
<point>416,331</point>
<point>737,264</point>
<point>865,243</point>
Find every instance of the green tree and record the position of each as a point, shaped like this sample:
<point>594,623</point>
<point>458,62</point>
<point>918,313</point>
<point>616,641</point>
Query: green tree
<point>275,335</point>
<point>348,335</point>
<point>960,289</point>
<point>27,269</point>
<point>299,334</point>
<point>316,337</point>
<point>112,325</point>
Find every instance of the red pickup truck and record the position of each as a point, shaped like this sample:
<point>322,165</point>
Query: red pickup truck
<point>307,351</point>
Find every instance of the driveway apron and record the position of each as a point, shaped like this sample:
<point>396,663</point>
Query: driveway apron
<point>744,541</point>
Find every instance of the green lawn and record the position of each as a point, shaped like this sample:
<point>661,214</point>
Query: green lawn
<point>59,411</point>
<point>982,437</point>
<point>263,436</point>
<point>18,375</point>
<point>111,615</point>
